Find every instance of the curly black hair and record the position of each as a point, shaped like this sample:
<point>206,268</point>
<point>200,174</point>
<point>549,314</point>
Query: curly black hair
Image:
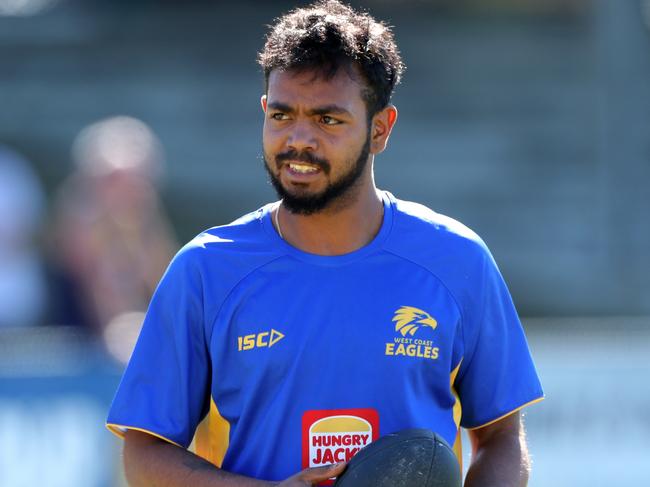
<point>327,36</point>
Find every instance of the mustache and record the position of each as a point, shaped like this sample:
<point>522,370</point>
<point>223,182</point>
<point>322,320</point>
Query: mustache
<point>307,157</point>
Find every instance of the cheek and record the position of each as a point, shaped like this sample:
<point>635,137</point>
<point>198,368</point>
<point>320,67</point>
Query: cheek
<point>265,135</point>
<point>270,148</point>
<point>270,139</point>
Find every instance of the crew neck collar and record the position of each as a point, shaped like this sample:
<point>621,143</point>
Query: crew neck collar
<point>331,260</point>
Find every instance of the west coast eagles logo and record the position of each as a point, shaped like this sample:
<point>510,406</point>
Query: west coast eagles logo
<point>408,321</point>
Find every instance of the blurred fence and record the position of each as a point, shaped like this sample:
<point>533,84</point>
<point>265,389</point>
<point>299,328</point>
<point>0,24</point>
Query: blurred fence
<point>55,389</point>
<point>592,430</point>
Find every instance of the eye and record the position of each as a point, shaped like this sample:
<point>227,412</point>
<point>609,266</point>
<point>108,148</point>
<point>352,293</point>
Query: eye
<point>279,116</point>
<point>327,120</point>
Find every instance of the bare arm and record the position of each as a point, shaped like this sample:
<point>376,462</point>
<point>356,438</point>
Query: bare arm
<point>152,462</point>
<point>499,455</point>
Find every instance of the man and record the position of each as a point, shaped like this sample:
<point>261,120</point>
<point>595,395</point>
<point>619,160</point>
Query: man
<point>303,331</point>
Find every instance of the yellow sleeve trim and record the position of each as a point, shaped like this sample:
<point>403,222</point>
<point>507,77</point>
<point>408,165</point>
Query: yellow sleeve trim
<point>458,408</point>
<point>120,429</point>
<point>212,436</point>
<point>507,414</point>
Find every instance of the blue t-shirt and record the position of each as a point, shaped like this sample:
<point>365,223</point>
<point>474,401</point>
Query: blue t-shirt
<point>278,359</point>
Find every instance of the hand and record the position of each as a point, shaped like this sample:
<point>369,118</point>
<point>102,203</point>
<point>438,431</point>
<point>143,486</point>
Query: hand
<point>312,476</point>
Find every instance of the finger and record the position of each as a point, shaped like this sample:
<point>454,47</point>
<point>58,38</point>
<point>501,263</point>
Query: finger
<point>318,474</point>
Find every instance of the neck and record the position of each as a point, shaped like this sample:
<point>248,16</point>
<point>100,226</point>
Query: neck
<point>333,231</point>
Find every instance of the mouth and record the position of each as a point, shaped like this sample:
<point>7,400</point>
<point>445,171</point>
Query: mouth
<point>302,168</point>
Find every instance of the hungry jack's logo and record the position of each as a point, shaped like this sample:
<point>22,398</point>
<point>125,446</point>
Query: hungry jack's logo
<point>332,436</point>
<point>408,321</point>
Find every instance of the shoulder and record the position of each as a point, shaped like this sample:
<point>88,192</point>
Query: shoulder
<point>229,250</point>
<point>450,251</point>
<point>426,235</point>
<point>244,235</point>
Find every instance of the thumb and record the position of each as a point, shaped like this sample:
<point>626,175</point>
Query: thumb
<point>319,474</point>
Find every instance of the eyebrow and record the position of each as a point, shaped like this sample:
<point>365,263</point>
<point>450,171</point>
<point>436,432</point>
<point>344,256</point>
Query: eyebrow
<point>324,110</point>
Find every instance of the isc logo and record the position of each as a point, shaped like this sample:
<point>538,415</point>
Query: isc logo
<point>259,340</point>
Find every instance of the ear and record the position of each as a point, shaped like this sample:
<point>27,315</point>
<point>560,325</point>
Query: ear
<point>382,125</point>
<point>263,102</point>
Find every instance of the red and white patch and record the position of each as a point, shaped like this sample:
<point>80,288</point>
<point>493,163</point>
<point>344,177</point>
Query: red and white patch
<point>336,435</point>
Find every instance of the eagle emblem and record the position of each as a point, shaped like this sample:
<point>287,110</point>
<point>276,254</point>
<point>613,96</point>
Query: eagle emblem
<point>408,319</point>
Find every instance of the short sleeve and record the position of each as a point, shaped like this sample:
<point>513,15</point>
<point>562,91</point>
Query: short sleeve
<point>165,388</point>
<point>497,375</point>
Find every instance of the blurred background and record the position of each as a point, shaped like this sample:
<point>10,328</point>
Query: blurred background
<point>127,127</point>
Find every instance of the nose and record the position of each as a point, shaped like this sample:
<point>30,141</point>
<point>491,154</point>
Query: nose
<point>302,137</point>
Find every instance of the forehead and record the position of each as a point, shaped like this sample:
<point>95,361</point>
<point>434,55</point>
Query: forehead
<point>311,89</point>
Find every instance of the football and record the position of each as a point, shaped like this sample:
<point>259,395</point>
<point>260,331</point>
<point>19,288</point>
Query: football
<point>408,458</point>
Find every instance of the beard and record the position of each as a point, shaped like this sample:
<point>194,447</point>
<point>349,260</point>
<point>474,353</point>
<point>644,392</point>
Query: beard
<point>336,191</point>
